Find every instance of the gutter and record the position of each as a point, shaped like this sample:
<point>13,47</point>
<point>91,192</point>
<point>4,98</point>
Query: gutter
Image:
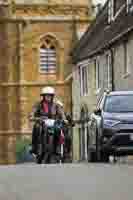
<point>112,70</point>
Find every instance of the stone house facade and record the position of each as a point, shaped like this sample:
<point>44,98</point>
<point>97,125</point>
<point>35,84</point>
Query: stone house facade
<point>102,60</point>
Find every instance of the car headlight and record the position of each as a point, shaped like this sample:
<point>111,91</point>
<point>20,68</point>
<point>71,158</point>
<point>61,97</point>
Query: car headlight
<point>105,139</point>
<point>110,122</point>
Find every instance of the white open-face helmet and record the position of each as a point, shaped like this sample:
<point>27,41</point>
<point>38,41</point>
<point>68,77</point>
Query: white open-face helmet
<point>48,90</point>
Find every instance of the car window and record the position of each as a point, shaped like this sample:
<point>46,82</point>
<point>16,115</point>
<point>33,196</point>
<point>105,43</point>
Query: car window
<point>119,103</point>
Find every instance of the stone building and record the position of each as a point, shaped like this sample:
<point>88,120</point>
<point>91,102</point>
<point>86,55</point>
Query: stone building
<point>102,60</point>
<point>9,98</point>
<point>37,37</point>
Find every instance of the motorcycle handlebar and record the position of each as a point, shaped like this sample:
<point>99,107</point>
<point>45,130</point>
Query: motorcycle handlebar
<point>37,119</point>
<point>41,119</point>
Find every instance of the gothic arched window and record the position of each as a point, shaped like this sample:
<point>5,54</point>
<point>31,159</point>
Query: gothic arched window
<point>48,55</point>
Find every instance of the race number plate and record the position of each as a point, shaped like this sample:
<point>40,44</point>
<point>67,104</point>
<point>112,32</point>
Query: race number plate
<point>49,122</point>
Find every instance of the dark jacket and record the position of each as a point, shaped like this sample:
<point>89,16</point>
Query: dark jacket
<point>56,111</point>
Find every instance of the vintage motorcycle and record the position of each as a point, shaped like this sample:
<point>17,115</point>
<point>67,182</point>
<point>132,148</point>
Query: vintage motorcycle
<point>51,141</point>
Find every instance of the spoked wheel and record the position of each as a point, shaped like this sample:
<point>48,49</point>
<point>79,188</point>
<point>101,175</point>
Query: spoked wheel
<point>48,156</point>
<point>92,156</point>
<point>104,157</point>
<point>39,156</point>
<point>41,150</point>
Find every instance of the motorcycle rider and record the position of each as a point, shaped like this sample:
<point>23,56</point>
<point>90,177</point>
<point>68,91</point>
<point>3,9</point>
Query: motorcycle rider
<point>46,107</point>
<point>70,123</point>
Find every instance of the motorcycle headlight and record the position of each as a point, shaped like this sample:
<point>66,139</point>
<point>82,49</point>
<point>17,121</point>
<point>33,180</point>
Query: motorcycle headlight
<point>110,122</point>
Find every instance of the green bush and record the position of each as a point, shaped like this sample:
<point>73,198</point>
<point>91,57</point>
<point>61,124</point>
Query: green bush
<point>21,145</point>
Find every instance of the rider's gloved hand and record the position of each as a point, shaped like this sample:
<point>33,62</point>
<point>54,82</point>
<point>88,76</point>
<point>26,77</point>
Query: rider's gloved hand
<point>66,121</point>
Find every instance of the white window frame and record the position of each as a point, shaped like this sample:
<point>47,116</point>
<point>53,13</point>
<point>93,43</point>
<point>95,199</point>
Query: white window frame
<point>110,11</point>
<point>129,5</point>
<point>109,63</point>
<point>79,71</point>
<point>43,69</point>
<point>126,59</point>
<point>47,52</point>
<point>97,74</point>
<point>82,81</point>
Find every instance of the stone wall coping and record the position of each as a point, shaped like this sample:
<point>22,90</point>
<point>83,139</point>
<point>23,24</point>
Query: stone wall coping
<point>48,4</point>
<point>51,19</point>
<point>42,19</point>
<point>15,132</point>
<point>7,84</point>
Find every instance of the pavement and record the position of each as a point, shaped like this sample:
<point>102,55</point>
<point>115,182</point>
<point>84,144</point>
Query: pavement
<point>82,181</point>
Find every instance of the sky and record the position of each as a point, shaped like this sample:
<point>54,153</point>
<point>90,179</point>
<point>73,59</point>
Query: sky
<point>99,1</point>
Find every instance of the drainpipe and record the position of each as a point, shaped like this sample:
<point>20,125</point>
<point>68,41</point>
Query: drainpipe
<point>112,69</point>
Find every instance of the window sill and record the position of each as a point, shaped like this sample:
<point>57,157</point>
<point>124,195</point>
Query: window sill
<point>126,75</point>
<point>47,73</point>
<point>84,95</point>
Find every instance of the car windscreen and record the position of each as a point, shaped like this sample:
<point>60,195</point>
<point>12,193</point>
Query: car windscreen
<point>119,103</point>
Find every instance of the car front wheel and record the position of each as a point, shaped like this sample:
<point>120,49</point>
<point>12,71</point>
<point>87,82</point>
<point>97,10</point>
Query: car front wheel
<point>104,157</point>
<point>92,156</point>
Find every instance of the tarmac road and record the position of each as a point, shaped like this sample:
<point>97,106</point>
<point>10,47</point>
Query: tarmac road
<point>66,182</point>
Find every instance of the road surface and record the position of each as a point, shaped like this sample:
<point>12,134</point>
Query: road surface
<point>66,182</point>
